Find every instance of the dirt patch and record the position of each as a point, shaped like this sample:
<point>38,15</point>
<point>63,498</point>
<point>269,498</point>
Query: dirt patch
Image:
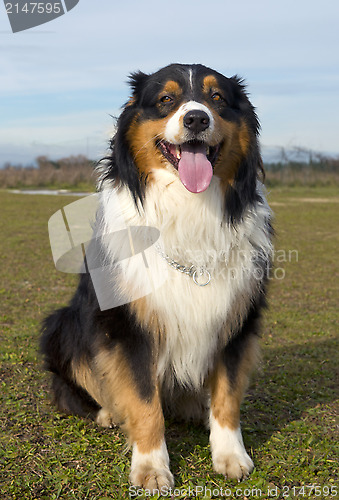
<point>315,200</point>
<point>303,200</point>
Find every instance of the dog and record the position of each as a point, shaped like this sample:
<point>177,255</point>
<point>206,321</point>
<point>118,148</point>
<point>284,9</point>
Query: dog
<point>184,160</point>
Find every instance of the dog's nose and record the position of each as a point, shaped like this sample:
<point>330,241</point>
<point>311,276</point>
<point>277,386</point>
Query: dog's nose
<point>196,120</point>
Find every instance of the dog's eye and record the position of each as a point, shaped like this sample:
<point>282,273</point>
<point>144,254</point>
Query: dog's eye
<point>166,99</point>
<point>216,97</point>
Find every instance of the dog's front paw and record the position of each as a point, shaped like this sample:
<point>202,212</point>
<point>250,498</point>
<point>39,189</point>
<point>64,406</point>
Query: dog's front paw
<point>233,465</point>
<point>228,452</point>
<point>152,479</point>
<point>151,470</point>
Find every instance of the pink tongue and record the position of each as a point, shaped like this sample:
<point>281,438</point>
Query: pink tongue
<point>195,171</point>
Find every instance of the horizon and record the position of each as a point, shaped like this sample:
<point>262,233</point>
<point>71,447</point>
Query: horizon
<point>270,155</point>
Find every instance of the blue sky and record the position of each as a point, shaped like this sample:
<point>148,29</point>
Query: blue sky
<point>61,81</point>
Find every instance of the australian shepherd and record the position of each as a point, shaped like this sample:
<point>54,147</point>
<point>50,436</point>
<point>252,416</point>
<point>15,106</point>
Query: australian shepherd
<point>177,331</point>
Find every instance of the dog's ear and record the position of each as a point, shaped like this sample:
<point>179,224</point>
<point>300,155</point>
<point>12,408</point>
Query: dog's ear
<point>119,165</point>
<point>243,191</point>
<point>137,82</point>
<point>122,162</point>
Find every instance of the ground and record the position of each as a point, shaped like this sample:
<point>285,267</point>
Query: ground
<point>288,416</point>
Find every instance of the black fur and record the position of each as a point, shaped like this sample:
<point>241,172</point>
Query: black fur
<point>234,350</point>
<point>119,164</point>
<point>71,399</point>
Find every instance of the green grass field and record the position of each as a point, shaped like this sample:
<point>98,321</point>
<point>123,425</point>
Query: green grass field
<point>288,416</point>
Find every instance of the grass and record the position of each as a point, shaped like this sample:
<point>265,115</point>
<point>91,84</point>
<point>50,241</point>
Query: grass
<point>288,416</point>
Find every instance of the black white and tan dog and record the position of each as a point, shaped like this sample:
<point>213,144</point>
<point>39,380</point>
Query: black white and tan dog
<point>185,160</point>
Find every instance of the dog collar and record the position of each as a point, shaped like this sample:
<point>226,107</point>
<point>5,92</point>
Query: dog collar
<point>200,275</point>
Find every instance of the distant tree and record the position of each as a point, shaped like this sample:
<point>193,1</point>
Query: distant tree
<point>43,162</point>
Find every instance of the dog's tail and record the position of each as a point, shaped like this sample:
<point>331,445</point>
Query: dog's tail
<point>59,345</point>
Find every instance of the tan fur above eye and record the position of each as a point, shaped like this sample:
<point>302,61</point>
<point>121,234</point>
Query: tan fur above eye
<point>209,82</point>
<point>171,87</point>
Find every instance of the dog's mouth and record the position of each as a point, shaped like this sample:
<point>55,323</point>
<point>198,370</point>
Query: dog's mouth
<point>194,161</point>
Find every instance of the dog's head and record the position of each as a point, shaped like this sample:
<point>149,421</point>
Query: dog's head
<point>193,122</point>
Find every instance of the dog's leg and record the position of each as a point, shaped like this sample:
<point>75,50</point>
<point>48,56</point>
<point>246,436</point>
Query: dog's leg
<point>137,408</point>
<point>228,384</point>
<point>144,425</point>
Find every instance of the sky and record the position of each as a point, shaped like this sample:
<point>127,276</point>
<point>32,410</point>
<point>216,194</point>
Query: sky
<point>61,83</point>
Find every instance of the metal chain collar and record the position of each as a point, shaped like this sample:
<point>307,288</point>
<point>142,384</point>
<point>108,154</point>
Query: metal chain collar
<point>192,271</point>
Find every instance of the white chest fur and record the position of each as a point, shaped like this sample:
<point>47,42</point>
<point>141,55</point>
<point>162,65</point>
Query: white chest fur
<point>192,229</point>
